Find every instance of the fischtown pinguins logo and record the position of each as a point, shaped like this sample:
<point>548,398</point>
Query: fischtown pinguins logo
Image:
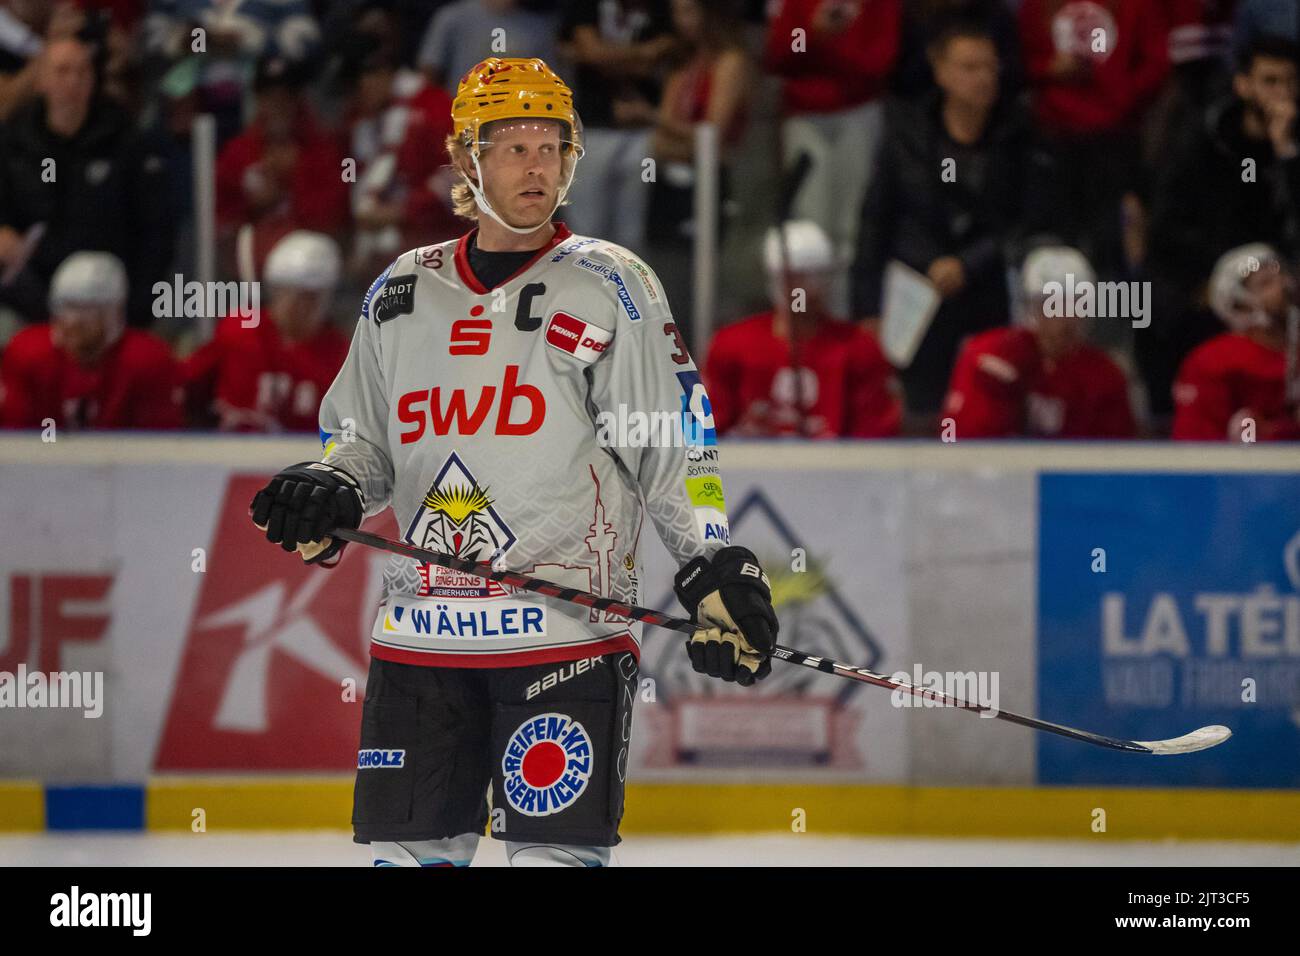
<point>457,517</point>
<point>546,765</point>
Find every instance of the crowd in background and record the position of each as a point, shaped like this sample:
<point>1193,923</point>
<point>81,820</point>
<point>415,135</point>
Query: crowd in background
<point>992,146</point>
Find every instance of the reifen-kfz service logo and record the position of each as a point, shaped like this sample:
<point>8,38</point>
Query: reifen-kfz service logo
<point>547,764</point>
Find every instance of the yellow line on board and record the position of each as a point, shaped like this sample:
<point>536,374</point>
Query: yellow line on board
<point>252,803</point>
<point>325,802</point>
<point>828,808</point>
<point>22,805</point>
<point>1061,812</point>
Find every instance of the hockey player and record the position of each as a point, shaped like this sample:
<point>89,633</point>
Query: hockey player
<point>477,399</point>
<point>85,368</point>
<point>796,369</point>
<point>269,375</point>
<point>1040,378</point>
<point>1233,387</point>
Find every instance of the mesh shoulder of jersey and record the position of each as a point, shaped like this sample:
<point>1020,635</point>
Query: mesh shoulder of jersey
<point>615,272</point>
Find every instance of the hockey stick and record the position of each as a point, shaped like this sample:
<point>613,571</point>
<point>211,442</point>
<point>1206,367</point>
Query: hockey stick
<point>1201,739</point>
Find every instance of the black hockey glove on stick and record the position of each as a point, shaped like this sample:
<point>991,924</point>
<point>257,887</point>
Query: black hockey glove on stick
<point>303,504</point>
<point>732,598</point>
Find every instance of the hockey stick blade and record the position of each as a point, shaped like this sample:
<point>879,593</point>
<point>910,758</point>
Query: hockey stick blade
<point>1201,739</point>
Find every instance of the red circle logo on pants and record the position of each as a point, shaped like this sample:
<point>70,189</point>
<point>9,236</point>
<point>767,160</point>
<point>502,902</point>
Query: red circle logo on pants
<point>546,765</point>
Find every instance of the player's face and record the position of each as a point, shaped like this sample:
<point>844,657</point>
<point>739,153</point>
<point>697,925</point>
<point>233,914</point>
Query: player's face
<point>523,170</point>
<point>967,71</point>
<point>83,330</point>
<point>1059,335</point>
<point>804,293</point>
<point>1271,289</point>
<point>297,313</point>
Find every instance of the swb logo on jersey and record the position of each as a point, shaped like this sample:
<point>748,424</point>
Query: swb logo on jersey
<point>580,339</point>
<point>547,764</point>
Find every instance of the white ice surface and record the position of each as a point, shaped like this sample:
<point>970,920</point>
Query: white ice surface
<point>330,848</point>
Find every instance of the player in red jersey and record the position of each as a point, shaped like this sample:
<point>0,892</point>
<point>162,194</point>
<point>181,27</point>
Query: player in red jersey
<point>269,373</point>
<point>796,369</point>
<point>85,369</point>
<point>1234,387</point>
<point>1041,378</point>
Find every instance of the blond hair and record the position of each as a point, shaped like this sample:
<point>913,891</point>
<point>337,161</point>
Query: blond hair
<point>463,203</point>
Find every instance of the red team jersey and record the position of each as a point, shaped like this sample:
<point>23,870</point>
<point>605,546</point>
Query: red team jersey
<point>1002,386</point>
<point>751,377</point>
<point>255,380</point>
<point>134,385</point>
<point>1229,378</point>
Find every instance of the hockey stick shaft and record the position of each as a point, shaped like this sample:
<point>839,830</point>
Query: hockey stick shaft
<point>826,665</point>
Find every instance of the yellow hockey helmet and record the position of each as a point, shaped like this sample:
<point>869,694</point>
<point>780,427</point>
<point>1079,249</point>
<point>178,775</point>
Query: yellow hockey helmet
<point>502,88</point>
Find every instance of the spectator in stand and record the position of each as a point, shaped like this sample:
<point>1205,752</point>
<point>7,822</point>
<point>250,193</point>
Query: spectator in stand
<point>1234,179</point>
<point>950,228</point>
<point>397,126</point>
<point>284,172</point>
<point>618,47</point>
<point>709,82</point>
<point>466,32</point>
<point>75,175</point>
<point>250,29</point>
<point>270,376</point>
<point>25,27</point>
<point>1040,378</point>
<point>237,35</point>
<point>797,369</point>
<point>924,20</point>
<point>1200,57</point>
<point>1200,41</point>
<point>835,69</point>
<point>1094,68</point>
<point>85,369</point>
<point>1235,387</point>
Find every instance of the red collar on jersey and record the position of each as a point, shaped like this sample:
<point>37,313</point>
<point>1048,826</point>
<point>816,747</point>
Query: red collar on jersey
<point>467,274</point>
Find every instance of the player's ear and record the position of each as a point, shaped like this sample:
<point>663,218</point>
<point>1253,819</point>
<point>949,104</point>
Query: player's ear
<point>465,166</point>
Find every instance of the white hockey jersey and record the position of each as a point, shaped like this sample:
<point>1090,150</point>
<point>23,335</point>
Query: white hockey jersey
<point>531,425</point>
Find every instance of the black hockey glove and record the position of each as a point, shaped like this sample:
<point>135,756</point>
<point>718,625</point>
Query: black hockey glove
<point>303,504</point>
<point>732,597</point>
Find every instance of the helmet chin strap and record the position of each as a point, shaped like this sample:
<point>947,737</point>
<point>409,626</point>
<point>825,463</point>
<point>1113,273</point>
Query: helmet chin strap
<point>481,199</point>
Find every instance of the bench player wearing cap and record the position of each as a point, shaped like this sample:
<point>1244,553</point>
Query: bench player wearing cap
<point>481,398</point>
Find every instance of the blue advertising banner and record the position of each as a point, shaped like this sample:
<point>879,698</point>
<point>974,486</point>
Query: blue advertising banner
<point>1167,602</point>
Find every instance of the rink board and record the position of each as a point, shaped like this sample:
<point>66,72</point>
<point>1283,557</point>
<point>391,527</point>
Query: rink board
<point>132,557</point>
<point>1096,814</point>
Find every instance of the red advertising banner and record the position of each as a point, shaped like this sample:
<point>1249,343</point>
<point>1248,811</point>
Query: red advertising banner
<point>274,667</point>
